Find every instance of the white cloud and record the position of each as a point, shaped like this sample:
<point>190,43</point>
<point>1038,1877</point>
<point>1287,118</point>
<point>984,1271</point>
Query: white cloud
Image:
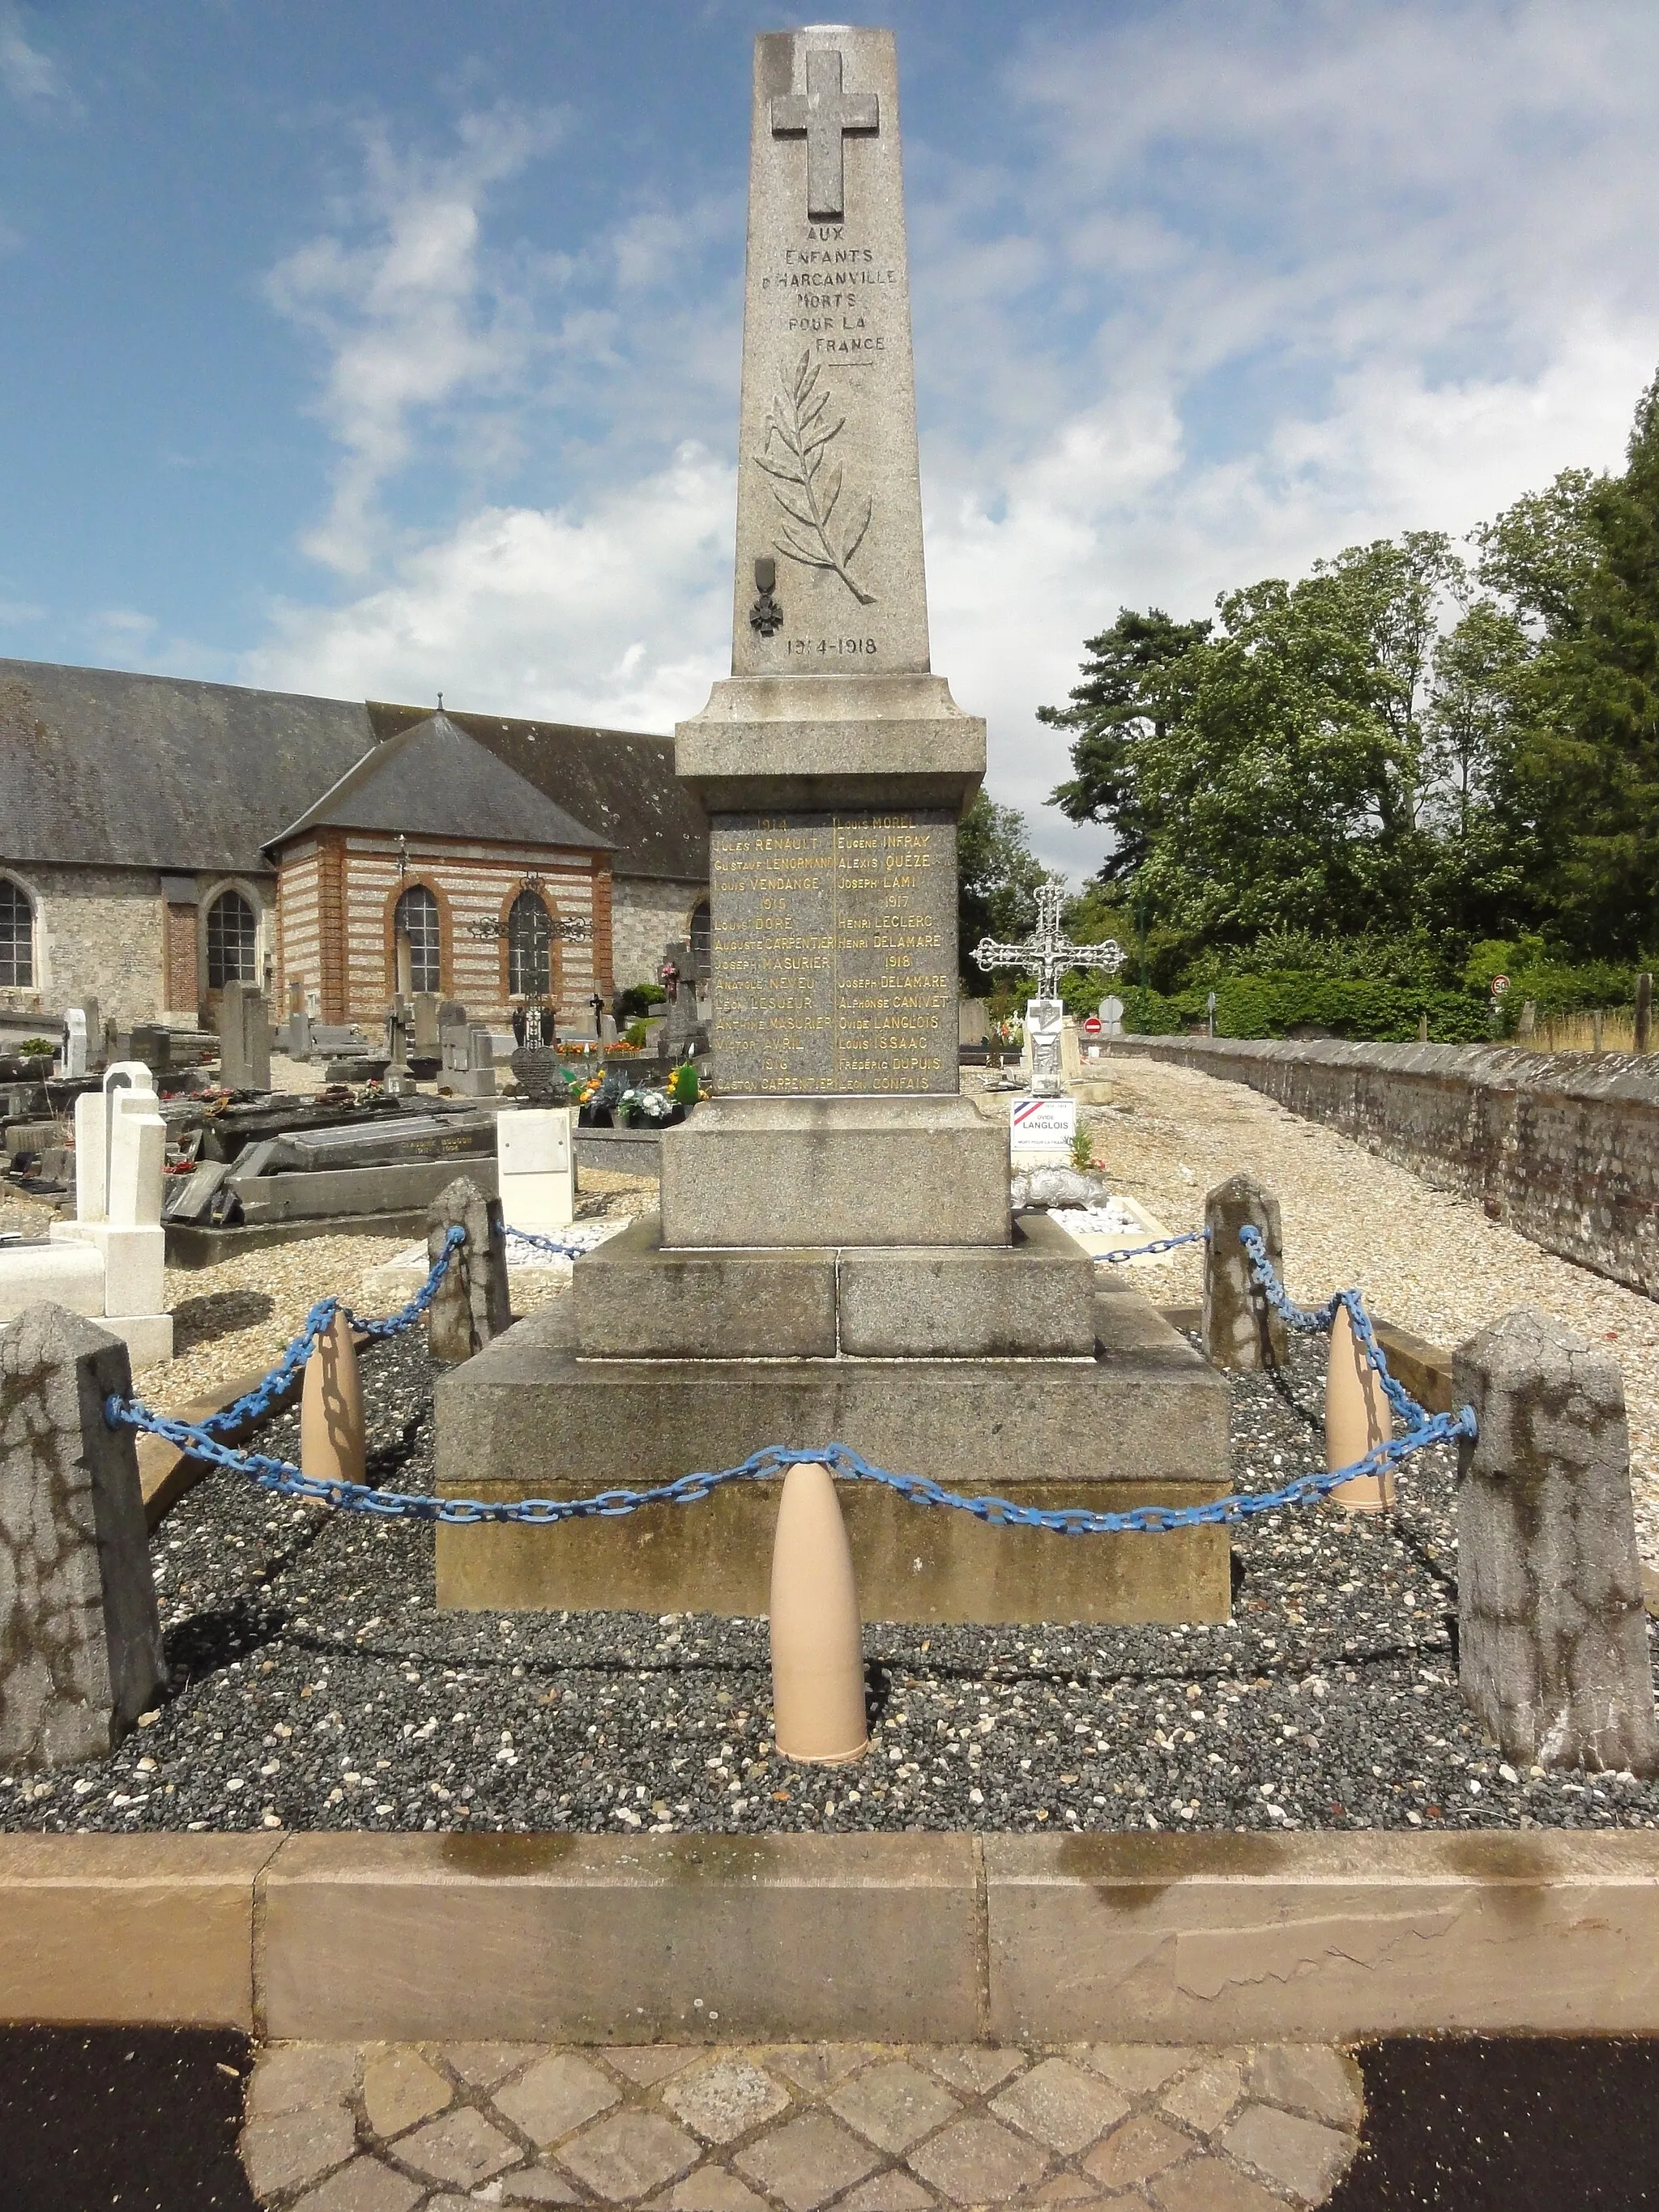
<point>418,318</point>
<point>617,615</point>
<point>1244,281</point>
<point>33,78</point>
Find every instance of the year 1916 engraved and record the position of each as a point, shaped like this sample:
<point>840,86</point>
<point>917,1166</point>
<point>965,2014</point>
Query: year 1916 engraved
<point>823,648</point>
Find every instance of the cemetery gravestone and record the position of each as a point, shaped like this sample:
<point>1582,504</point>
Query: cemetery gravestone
<point>244,1039</point>
<point>536,1167</point>
<point>75,1042</point>
<point>424,1025</point>
<point>839,1191</point>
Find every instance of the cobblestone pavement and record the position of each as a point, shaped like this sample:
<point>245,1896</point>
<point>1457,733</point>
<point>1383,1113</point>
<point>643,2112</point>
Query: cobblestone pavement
<point>866,2127</point>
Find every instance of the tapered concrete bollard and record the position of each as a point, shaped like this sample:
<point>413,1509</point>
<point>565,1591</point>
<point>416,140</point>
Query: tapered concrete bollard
<point>332,1408</point>
<point>80,1640</point>
<point>471,1306</point>
<point>1357,1417</point>
<point>1553,1641</point>
<point>1240,1328</point>
<point>817,1645</point>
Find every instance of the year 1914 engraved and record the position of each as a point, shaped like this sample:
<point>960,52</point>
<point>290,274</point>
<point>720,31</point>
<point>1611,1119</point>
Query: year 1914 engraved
<point>831,649</point>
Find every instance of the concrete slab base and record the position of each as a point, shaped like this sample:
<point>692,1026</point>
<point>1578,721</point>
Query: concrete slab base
<point>1144,1421</point>
<point>1224,1939</point>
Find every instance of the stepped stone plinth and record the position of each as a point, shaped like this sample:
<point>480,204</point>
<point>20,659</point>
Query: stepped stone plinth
<point>836,1259</point>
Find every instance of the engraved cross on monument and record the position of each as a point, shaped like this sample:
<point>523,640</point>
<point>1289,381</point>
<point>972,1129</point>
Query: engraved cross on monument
<point>823,115</point>
<point>1052,955</point>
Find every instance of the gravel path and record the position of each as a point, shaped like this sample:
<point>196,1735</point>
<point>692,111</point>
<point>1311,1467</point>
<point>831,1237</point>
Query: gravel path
<point>313,1684</point>
<point>1427,1260</point>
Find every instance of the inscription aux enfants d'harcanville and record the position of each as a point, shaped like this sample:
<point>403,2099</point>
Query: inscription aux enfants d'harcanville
<point>829,298</point>
<point>834,944</point>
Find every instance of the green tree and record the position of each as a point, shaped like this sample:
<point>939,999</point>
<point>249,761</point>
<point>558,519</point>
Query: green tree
<point>1115,706</point>
<point>997,879</point>
<point>1540,554</point>
<point>1592,760</point>
<point>1483,855</point>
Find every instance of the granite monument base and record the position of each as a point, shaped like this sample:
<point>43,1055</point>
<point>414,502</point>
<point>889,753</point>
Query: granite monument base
<point>1034,1298</point>
<point>840,1170</point>
<point>1142,1421</point>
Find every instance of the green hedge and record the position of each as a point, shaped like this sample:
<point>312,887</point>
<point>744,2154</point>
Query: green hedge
<point>1273,1006</point>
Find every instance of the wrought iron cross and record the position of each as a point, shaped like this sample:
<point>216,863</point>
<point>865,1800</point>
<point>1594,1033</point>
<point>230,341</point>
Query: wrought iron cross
<point>1047,949</point>
<point>823,115</point>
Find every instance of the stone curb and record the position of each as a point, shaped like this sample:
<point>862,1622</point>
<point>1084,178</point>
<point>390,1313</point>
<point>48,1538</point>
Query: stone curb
<point>1214,1939</point>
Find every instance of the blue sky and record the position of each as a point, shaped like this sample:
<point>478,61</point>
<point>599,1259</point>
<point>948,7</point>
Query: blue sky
<point>377,349</point>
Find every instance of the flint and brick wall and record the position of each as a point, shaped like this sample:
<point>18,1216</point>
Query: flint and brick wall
<point>651,912</point>
<point>1563,1147</point>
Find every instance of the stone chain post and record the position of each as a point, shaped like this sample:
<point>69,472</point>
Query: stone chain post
<point>1240,1328</point>
<point>80,1635</point>
<point>471,1307</point>
<point>1552,1641</point>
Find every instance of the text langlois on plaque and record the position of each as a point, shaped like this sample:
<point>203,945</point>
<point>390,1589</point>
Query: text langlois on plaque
<point>836,956</point>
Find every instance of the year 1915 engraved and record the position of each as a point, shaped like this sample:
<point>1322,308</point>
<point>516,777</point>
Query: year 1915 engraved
<point>825,648</point>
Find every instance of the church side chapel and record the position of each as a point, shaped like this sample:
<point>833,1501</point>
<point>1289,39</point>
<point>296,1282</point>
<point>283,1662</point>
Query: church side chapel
<point>162,840</point>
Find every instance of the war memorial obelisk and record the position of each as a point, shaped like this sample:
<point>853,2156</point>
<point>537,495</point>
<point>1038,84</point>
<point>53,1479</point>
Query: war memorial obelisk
<point>836,1259</point>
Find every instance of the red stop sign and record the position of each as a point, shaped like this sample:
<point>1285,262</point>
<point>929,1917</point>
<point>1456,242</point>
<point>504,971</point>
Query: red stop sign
<point>1092,1027</point>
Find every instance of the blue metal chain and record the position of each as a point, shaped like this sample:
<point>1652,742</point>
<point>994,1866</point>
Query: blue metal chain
<point>287,1481</point>
<point>268,1395</point>
<point>1310,1321</point>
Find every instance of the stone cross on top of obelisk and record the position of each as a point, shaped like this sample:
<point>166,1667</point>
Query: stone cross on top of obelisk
<point>823,115</point>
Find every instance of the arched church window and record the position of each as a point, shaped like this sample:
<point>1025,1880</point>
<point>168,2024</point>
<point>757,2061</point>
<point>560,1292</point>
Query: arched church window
<point>416,919</point>
<point>16,936</point>
<point>233,935</point>
<point>702,942</point>
<point>529,949</point>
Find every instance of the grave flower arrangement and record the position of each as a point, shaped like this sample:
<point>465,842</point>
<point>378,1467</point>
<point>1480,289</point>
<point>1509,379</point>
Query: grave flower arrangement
<point>643,1108</point>
<point>683,1087</point>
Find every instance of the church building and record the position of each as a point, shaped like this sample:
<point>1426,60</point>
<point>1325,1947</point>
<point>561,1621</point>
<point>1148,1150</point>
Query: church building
<point>160,838</point>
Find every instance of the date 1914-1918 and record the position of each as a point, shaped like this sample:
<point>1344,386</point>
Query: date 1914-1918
<point>831,647</point>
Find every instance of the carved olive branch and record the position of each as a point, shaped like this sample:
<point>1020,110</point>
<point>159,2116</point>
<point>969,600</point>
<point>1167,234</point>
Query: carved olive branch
<point>797,422</point>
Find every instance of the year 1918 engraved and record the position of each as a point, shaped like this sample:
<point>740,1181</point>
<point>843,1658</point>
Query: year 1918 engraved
<point>831,647</point>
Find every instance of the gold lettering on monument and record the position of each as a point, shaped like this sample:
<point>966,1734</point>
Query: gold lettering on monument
<point>834,945</point>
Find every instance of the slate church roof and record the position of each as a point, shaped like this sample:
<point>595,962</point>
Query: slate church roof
<point>110,769</point>
<point>433,780</point>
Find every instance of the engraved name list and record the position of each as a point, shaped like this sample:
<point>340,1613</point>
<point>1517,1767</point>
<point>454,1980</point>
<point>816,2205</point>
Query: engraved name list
<point>834,944</point>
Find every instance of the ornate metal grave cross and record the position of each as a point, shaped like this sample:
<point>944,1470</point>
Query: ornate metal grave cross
<point>823,115</point>
<point>1048,950</point>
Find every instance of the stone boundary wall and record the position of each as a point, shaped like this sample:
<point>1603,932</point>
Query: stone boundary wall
<point>1563,1147</point>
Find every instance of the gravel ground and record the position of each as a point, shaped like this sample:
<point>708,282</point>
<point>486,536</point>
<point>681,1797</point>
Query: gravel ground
<point>238,1317</point>
<point>1429,1262</point>
<point>313,1684</point>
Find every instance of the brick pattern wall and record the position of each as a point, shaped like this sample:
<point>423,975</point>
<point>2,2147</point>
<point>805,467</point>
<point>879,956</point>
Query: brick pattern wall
<point>1563,1147</point>
<point>299,923</point>
<point>183,992</point>
<point>340,893</point>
